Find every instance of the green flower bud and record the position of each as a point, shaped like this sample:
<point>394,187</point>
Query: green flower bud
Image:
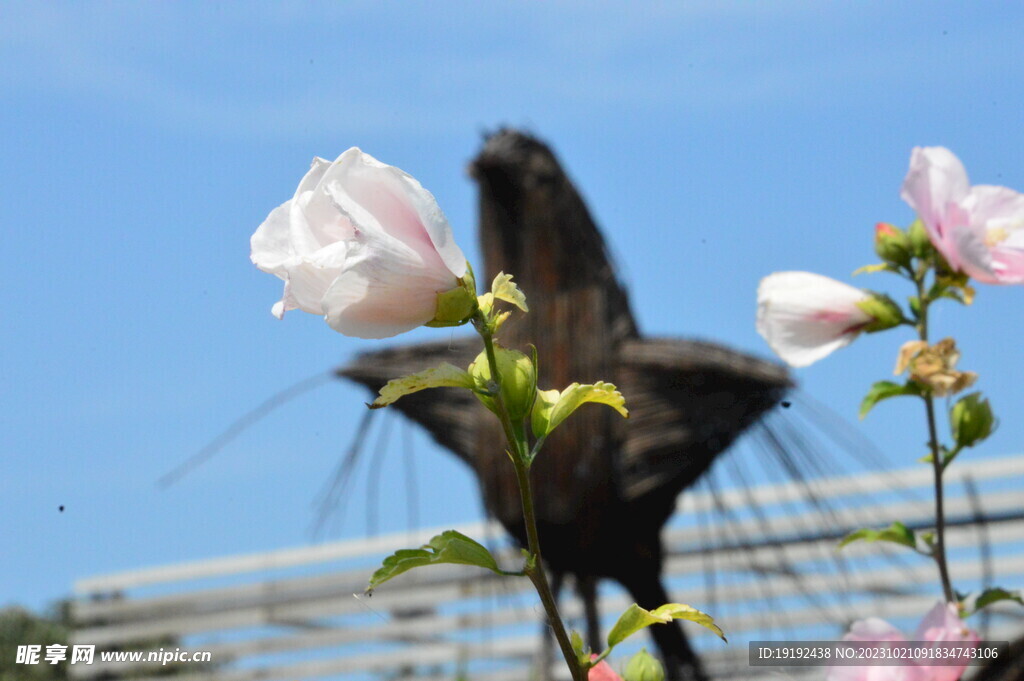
<point>884,311</point>
<point>644,667</point>
<point>920,242</point>
<point>892,244</point>
<point>518,381</point>
<point>971,420</point>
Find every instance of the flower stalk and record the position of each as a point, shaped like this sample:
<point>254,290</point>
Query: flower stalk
<point>938,549</point>
<point>520,454</point>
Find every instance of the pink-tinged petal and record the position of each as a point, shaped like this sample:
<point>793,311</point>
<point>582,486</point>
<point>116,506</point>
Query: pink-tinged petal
<point>935,179</point>
<point>942,624</point>
<point>971,256</point>
<point>383,291</point>
<point>997,221</point>
<point>362,243</point>
<point>805,316</point>
<point>307,279</point>
<point>873,629</point>
<point>602,671</point>
<point>400,204</point>
<point>270,245</point>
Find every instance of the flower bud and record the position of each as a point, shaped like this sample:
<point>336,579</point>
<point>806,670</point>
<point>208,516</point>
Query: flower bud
<point>884,312</point>
<point>920,243</point>
<point>971,420</point>
<point>518,381</point>
<point>644,667</point>
<point>892,244</point>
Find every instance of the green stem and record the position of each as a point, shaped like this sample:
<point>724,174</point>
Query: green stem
<point>939,551</point>
<point>521,457</point>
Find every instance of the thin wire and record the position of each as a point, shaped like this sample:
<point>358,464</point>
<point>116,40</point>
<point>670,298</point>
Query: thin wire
<point>241,425</point>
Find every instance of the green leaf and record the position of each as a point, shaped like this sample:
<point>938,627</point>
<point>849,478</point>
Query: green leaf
<point>553,407</point>
<point>448,547</point>
<point>978,601</point>
<point>444,376</point>
<point>883,390</point>
<point>898,533</point>
<point>503,288</point>
<point>871,269</point>
<point>636,618</point>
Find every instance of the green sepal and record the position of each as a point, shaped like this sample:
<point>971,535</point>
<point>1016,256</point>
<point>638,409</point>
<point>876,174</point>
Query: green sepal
<point>448,547</point>
<point>885,313</point>
<point>443,376</point>
<point>897,533</point>
<point>553,407</point>
<point>454,307</point>
<point>883,390</point>
<point>636,618</point>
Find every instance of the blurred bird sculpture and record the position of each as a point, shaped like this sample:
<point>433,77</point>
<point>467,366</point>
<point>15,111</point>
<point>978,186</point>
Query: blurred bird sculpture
<point>605,486</point>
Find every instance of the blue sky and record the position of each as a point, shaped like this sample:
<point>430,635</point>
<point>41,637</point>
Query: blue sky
<point>144,142</point>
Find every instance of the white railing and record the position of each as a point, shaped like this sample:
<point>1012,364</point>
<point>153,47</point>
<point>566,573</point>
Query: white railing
<point>770,574</point>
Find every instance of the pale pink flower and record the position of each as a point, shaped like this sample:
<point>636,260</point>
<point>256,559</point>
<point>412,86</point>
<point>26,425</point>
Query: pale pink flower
<point>979,229</point>
<point>806,316</point>
<point>942,624</point>
<point>363,244</point>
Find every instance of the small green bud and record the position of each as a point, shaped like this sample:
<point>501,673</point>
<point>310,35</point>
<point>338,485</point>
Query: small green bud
<point>920,242</point>
<point>518,381</point>
<point>454,307</point>
<point>892,244</point>
<point>971,420</point>
<point>644,667</point>
<point>885,312</point>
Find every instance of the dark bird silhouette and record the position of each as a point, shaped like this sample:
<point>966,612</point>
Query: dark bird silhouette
<point>604,486</point>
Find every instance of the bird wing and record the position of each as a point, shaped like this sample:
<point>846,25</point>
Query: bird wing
<point>450,415</point>
<point>688,401</point>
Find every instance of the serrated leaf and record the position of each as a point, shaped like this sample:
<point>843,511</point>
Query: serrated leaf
<point>503,288</point>
<point>444,376</point>
<point>636,618</point>
<point>975,602</point>
<point>883,390</point>
<point>448,547</point>
<point>897,533</point>
<point>553,407</point>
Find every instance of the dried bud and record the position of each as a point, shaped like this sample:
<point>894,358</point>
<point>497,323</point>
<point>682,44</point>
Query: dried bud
<point>971,420</point>
<point>934,366</point>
